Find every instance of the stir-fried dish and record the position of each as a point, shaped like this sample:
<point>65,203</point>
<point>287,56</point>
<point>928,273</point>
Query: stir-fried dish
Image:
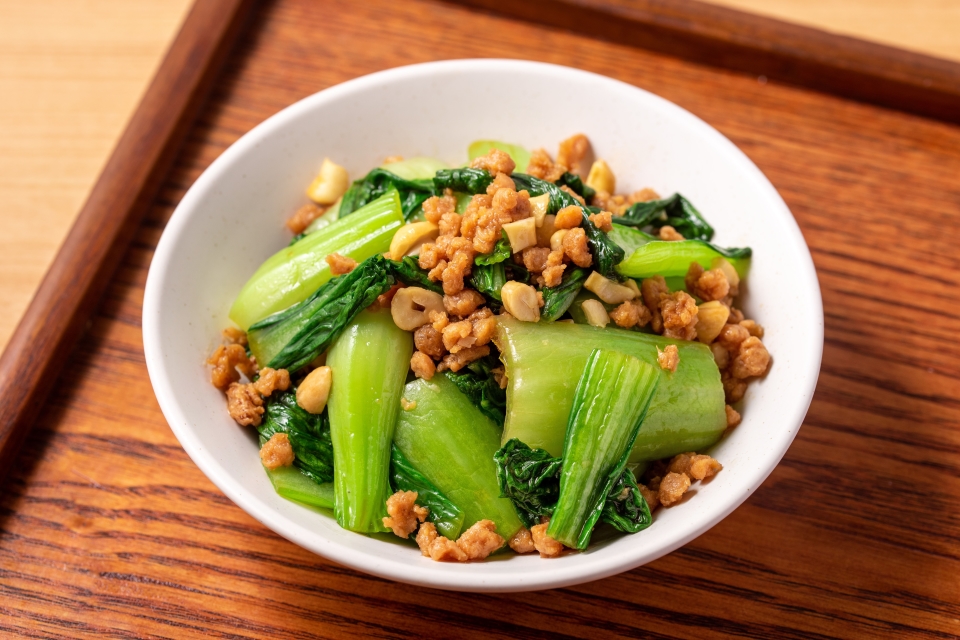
<point>507,354</point>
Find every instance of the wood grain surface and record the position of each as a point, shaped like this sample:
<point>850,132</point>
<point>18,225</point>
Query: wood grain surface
<point>108,529</point>
<point>79,275</point>
<point>71,74</point>
<point>925,26</point>
<point>764,47</point>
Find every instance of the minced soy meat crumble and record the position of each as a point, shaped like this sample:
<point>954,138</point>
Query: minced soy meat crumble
<point>460,327</point>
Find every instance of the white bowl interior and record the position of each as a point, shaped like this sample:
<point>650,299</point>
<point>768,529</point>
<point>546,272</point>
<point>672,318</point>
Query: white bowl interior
<point>232,219</point>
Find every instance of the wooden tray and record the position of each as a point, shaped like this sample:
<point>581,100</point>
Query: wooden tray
<point>108,529</point>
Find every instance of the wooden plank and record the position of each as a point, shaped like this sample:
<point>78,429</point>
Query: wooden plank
<point>71,75</point>
<point>98,239</point>
<point>108,529</point>
<point>779,51</point>
<point>924,26</point>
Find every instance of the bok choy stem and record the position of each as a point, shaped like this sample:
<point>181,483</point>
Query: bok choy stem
<point>292,338</point>
<point>369,363</point>
<point>292,274</point>
<point>451,442</point>
<point>609,405</point>
<point>686,413</point>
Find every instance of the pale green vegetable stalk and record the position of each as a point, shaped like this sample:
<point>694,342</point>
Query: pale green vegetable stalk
<point>417,168</point>
<point>449,440</point>
<point>292,484</point>
<point>293,273</point>
<point>686,413</point>
<point>647,256</point>
<point>521,157</point>
<point>369,362</point>
<point>610,403</point>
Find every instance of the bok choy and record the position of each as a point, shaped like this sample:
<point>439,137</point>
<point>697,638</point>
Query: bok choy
<point>531,479</point>
<point>294,273</point>
<point>649,256</point>
<point>369,362</point>
<point>293,337</point>
<point>609,405</point>
<point>451,442</point>
<point>380,182</point>
<point>675,211</point>
<point>443,513</point>
<point>686,413</point>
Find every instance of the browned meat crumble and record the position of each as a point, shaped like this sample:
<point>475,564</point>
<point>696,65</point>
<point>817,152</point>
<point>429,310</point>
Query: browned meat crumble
<point>277,452</point>
<point>404,514</point>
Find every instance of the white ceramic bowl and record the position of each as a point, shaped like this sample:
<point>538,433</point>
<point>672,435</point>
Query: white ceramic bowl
<point>232,219</point>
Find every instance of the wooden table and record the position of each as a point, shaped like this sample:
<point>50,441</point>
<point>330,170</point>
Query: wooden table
<point>108,529</point>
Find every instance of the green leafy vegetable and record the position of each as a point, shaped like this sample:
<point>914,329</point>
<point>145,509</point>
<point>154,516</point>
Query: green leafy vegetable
<point>310,479</point>
<point>450,441</point>
<point>530,478</point>
<point>686,413</point>
<point>521,157</point>
<point>610,403</point>
<point>606,253</point>
<point>556,300</point>
<point>625,507</point>
<point>462,180</point>
<point>416,168</point>
<point>675,211</point>
<point>489,279</point>
<point>329,216</point>
<point>576,183</point>
<point>443,513</point>
<point>648,256</point>
<point>408,272</point>
<point>294,273</point>
<point>478,383</point>
<point>369,363</point>
<point>293,484</point>
<point>294,337</point>
<point>378,183</point>
<point>309,434</point>
<point>501,251</point>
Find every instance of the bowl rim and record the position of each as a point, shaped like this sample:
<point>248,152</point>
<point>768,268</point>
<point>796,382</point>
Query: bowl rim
<point>429,575</point>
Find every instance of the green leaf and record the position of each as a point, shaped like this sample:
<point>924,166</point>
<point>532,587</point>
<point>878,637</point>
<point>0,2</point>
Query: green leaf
<point>625,508</point>
<point>377,183</point>
<point>556,300</point>
<point>609,406</point>
<point>576,183</point>
<point>675,211</point>
<point>462,180</point>
<point>530,478</point>
<point>606,253</point>
<point>501,251</point>
<point>292,274</point>
<point>309,434</point>
<point>369,363</point>
<point>648,255</point>
<point>408,272</point>
<point>686,414</point>
<point>293,337</point>
<point>451,442</point>
<point>489,279</point>
<point>294,484</point>
<point>478,383</point>
<point>443,513</point>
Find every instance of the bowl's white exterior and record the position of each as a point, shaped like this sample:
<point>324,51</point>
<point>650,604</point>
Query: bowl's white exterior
<point>232,218</point>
